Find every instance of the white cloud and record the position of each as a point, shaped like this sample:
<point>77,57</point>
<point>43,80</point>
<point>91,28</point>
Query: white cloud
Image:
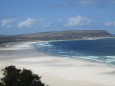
<point>7,23</point>
<point>27,23</point>
<point>78,21</point>
<point>110,23</point>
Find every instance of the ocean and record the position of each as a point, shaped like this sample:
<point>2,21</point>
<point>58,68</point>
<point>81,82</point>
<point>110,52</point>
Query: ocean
<point>100,50</point>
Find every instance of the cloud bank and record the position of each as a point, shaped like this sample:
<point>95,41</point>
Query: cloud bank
<point>44,23</point>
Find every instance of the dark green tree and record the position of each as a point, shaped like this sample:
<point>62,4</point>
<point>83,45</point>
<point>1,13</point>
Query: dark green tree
<point>16,77</point>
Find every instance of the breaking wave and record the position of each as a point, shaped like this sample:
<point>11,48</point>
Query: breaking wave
<point>102,51</point>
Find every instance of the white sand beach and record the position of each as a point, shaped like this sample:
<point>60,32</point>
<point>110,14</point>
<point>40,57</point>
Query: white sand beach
<point>57,71</point>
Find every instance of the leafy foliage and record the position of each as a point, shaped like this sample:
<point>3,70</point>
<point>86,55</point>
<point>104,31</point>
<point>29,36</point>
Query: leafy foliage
<point>16,77</point>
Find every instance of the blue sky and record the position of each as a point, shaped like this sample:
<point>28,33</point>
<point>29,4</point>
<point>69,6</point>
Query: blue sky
<point>32,16</point>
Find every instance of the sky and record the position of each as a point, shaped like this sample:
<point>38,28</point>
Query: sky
<point>32,16</point>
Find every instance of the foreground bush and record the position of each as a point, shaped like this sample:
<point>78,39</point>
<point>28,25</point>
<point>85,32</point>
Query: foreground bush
<point>16,77</point>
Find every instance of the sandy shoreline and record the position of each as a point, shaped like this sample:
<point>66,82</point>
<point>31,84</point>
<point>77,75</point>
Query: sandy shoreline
<point>57,71</point>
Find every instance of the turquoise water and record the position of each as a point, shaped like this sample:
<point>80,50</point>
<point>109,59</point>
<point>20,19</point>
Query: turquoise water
<point>101,50</point>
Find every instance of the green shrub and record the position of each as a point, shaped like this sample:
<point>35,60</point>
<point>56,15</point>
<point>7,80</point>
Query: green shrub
<point>17,77</point>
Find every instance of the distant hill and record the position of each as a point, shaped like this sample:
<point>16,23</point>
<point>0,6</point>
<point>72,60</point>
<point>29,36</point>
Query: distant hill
<point>58,35</point>
<point>64,35</point>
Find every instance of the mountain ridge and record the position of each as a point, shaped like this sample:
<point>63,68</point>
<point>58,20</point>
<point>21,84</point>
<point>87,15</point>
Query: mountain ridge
<point>57,35</point>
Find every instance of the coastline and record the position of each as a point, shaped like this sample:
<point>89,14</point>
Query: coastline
<point>57,71</point>
<point>90,38</point>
